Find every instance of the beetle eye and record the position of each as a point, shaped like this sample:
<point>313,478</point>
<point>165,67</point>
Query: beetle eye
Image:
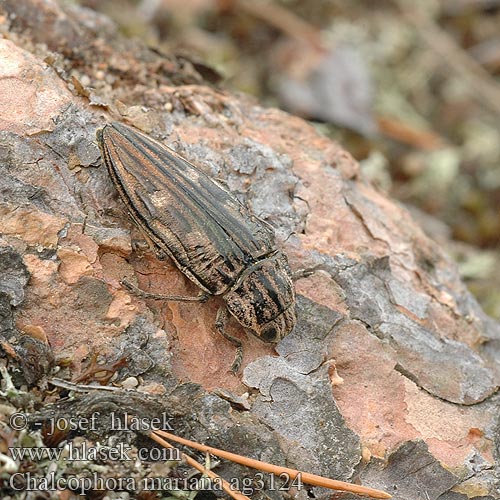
<point>269,335</point>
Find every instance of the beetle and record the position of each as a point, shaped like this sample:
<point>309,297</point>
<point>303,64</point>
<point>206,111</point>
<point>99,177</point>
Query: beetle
<point>212,238</point>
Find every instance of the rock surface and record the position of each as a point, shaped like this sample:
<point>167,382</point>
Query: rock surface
<point>392,373</point>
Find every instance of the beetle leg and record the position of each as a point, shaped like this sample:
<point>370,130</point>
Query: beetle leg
<point>202,297</point>
<point>141,245</point>
<point>304,273</point>
<point>220,325</point>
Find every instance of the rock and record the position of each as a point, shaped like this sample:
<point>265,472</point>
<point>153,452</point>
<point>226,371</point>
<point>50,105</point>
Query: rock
<point>385,311</point>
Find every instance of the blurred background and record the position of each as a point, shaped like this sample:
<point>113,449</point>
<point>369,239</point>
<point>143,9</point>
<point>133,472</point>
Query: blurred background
<point>410,88</point>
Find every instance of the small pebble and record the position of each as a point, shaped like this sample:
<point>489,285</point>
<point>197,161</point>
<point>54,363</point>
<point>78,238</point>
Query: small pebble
<point>130,383</point>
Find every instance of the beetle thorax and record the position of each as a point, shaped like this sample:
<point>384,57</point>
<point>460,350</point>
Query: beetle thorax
<point>263,299</point>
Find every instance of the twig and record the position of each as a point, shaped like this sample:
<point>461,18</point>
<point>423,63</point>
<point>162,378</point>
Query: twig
<point>284,20</point>
<point>305,477</point>
<point>403,132</point>
<point>193,463</point>
<point>58,382</point>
